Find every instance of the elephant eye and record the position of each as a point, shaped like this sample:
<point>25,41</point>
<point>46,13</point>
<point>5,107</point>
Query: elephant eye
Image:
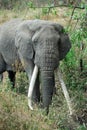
<point>35,41</point>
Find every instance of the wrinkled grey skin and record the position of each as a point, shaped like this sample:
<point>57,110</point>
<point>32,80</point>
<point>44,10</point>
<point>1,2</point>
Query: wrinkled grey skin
<point>33,42</point>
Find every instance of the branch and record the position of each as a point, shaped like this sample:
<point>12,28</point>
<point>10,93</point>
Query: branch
<point>71,16</point>
<point>65,5</point>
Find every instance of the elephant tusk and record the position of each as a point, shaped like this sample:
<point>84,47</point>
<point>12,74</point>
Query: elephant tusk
<point>31,86</point>
<point>66,94</point>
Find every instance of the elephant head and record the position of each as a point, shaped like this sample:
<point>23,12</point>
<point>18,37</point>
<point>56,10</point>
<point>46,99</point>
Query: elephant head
<point>45,44</point>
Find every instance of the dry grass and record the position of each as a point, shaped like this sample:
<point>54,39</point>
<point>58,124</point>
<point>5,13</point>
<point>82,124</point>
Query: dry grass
<point>59,17</point>
<point>15,115</point>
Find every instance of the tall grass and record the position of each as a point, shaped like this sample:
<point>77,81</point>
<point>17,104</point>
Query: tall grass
<point>15,114</point>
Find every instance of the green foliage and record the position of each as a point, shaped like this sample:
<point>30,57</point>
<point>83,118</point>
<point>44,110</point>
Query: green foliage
<point>76,78</point>
<point>45,11</point>
<point>54,11</point>
<point>7,4</point>
<point>31,5</point>
<point>82,128</point>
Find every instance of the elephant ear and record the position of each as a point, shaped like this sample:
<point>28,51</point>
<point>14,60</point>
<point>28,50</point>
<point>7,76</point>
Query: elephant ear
<point>59,28</point>
<point>64,45</point>
<point>23,43</point>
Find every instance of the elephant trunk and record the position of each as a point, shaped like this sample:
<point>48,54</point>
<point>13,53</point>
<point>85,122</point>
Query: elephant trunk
<point>47,81</point>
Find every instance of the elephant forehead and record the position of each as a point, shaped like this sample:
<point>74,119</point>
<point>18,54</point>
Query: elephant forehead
<point>49,30</point>
<point>45,32</point>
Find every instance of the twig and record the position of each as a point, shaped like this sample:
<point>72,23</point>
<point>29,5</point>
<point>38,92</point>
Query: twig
<point>65,5</point>
<point>74,7</point>
<point>81,59</point>
<point>72,15</point>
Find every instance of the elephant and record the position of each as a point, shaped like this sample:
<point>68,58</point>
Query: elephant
<point>34,43</point>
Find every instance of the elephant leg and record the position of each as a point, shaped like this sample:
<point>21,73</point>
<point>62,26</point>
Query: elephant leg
<point>54,91</point>
<point>2,65</point>
<point>11,76</point>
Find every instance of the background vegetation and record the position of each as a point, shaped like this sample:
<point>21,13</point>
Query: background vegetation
<point>14,113</point>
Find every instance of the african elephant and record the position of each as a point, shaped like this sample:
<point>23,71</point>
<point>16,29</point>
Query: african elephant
<point>32,43</point>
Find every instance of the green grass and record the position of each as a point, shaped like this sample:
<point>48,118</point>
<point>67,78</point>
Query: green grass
<point>15,114</point>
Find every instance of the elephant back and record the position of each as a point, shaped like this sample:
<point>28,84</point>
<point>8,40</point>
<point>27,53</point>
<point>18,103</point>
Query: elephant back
<point>7,41</point>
